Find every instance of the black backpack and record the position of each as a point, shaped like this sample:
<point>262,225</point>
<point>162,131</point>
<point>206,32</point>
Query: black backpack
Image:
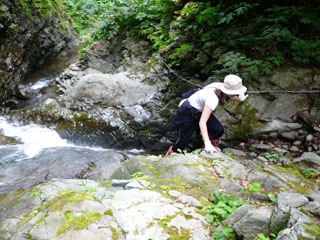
<point>189,93</point>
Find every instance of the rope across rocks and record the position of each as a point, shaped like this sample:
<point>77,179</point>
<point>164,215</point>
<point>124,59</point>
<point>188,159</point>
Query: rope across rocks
<point>250,91</point>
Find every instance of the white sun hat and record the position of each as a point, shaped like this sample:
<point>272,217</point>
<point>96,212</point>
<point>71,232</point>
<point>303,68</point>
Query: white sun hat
<point>233,85</point>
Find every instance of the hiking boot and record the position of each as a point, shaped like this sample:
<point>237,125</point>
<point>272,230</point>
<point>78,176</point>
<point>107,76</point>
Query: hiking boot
<point>170,151</point>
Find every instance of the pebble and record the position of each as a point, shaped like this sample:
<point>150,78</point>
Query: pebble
<point>263,146</point>
<point>174,193</point>
<point>262,159</point>
<point>309,138</point>
<point>253,155</point>
<point>297,143</point>
<point>289,135</point>
<point>280,150</point>
<point>294,149</point>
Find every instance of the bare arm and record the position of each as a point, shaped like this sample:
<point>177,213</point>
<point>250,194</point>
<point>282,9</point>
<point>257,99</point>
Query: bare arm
<point>206,112</point>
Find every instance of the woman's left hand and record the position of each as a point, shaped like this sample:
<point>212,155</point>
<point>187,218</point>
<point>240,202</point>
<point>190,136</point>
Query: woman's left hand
<point>243,97</point>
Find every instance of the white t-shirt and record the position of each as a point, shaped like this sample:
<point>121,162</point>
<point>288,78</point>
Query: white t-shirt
<point>206,97</point>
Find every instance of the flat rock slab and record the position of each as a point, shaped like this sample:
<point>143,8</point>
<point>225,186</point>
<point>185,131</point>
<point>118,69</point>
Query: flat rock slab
<point>86,209</point>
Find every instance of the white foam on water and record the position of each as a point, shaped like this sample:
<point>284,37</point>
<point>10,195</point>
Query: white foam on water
<point>41,84</point>
<point>34,138</point>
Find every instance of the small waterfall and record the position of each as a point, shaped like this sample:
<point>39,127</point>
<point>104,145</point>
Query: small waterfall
<point>34,138</point>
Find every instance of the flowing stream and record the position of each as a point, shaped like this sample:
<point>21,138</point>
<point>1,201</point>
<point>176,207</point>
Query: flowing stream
<point>39,153</point>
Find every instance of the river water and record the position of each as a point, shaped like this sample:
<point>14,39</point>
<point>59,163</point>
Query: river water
<point>40,153</point>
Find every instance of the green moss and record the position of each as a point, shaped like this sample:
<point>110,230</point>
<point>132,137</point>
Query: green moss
<point>296,185</point>
<point>314,229</point>
<point>30,216</point>
<point>74,196</point>
<point>78,222</point>
<point>108,212</point>
<point>41,219</point>
<point>191,164</point>
<point>115,234</point>
<point>248,122</point>
<point>174,232</point>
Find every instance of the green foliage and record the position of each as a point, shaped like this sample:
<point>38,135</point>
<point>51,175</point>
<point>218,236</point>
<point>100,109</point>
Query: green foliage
<point>272,156</point>
<point>104,19</point>
<point>36,192</point>
<point>275,156</point>
<point>137,175</point>
<point>44,8</point>
<point>179,53</point>
<point>256,36</point>
<point>261,236</point>
<point>226,233</point>
<point>309,173</point>
<point>255,187</point>
<point>196,151</point>
<point>272,198</point>
<point>223,205</point>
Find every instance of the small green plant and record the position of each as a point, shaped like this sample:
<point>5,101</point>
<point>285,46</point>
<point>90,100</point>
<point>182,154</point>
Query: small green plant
<point>228,154</point>
<point>90,189</point>
<point>309,173</point>
<point>261,236</point>
<point>255,187</point>
<point>196,151</point>
<point>223,205</point>
<point>272,198</point>
<point>137,175</point>
<point>12,26</point>
<point>157,159</point>
<point>180,151</point>
<point>36,192</point>
<point>226,233</point>
<point>108,212</point>
<point>272,156</point>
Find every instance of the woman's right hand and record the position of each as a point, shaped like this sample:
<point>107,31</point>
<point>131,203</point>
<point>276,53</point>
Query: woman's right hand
<point>209,148</point>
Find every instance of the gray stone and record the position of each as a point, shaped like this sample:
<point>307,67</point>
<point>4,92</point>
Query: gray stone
<point>308,159</point>
<point>174,193</point>
<point>294,149</point>
<point>297,143</point>
<point>262,146</point>
<point>285,202</point>
<point>309,138</point>
<point>119,182</point>
<point>235,152</point>
<point>289,135</point>
<point>238,214</point>
<point>134,184</point>
<point>189,201</point>
<point>299,227</point>
<point>231,187</point>
<point>256,221</point>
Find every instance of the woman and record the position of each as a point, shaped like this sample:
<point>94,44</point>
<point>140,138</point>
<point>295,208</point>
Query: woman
<point>197,112</point>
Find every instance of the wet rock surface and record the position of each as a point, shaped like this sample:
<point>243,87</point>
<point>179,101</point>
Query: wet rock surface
<point>28,40</point>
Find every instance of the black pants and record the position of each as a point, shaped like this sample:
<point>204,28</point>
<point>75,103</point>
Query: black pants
<point>187,121</point>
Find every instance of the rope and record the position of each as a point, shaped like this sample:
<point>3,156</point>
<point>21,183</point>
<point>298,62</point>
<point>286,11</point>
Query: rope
<point>183,79</point>
<point>248,92</point>
<point>285,91</point>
